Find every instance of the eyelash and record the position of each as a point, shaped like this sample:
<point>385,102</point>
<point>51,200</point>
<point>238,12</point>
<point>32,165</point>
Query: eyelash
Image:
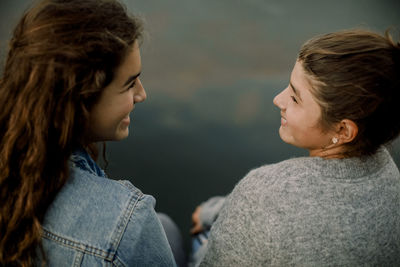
<point>294,99</point>
<point>131,85</point>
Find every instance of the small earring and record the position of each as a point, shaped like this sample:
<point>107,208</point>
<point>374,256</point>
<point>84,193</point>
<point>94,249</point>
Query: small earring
<point>334,140</point>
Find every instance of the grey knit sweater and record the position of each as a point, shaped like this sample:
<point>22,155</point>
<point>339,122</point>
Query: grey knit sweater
<point>311,212</point>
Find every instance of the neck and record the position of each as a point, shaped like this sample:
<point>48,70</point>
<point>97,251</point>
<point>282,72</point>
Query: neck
<point>336,152</point>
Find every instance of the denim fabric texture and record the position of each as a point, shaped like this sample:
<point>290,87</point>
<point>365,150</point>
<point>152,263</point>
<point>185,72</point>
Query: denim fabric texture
<point>96,221</point>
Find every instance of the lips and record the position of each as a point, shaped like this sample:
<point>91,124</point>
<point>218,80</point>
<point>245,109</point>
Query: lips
<point>283,120</point>
<point>126,120</point>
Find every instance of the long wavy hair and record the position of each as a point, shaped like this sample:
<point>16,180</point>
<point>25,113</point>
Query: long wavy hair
<point>61,56</point>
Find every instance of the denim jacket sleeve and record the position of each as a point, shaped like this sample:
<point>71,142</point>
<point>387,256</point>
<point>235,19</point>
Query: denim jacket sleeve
<point>144,242</point>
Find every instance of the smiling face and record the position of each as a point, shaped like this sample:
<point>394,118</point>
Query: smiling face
<point>300,115</point>
<point>109,118</point>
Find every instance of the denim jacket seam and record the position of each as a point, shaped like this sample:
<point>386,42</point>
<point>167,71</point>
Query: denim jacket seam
<point>117,262</point>
<point>85,248</point>
<point>130,187</point>
<point>124,220</point>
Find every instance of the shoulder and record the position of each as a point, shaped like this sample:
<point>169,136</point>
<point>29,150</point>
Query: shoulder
<point>263,192</point>
<point>94,213</point>
<point>91,196</point>
<point>95,196</point>
<point>272,175</point>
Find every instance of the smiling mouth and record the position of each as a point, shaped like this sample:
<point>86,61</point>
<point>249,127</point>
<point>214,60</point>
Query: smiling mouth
<point>283,120</point>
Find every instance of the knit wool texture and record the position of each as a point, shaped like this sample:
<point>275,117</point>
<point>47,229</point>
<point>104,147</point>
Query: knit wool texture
<point>311,211</point>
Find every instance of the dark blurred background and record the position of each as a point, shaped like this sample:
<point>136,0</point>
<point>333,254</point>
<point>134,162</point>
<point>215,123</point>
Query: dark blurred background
<point>211,69</point>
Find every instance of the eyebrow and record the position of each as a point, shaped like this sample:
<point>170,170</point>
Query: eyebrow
<point>296,92</point>
<point>130,79</point>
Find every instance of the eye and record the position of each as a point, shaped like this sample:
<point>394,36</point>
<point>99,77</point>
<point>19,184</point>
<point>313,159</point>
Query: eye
<point>294,99</point>
<point>131,85</point>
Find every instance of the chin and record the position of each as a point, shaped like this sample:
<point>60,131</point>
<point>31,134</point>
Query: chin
<point>125,134</point>
<point>282,135</point>
<point>121,137</point>
<point>121,133</point>
<point>286,138</point>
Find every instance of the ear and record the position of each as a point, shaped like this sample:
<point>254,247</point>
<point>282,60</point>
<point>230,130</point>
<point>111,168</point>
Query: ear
<point>347,131</point>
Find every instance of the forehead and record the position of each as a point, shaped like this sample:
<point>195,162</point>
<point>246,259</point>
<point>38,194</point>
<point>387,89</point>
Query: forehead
<point>299,76</point>
<point>131,64</point>
<point>302,82</point>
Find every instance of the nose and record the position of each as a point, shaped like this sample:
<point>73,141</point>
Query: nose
<point>139,94</point>
<point>279,100</point>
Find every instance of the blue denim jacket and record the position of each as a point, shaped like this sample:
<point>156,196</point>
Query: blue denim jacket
<point>96,221</point>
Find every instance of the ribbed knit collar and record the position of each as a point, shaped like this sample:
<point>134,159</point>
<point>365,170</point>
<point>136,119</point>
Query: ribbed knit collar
<point>349,168</point>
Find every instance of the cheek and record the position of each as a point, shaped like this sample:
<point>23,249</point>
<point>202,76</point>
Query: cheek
<point>128,104</point>
<point>124,105</point>
<point>300,124</point>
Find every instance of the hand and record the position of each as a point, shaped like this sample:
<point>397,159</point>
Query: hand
<point>197,226</point>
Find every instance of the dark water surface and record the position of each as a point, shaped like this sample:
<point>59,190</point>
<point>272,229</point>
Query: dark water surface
<point>211,69</point>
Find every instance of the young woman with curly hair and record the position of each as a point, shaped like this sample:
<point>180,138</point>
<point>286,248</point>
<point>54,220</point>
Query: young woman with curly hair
<point>71,79</point>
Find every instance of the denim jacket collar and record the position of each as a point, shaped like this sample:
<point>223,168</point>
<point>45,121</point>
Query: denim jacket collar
<point>81,159</point>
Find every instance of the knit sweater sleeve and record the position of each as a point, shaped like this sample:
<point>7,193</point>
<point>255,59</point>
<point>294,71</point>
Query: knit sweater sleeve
<point>210,209</point>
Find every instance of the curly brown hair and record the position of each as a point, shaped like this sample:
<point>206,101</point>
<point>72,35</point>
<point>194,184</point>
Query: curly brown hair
<point>356,75</point>
<point>61,56</point>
